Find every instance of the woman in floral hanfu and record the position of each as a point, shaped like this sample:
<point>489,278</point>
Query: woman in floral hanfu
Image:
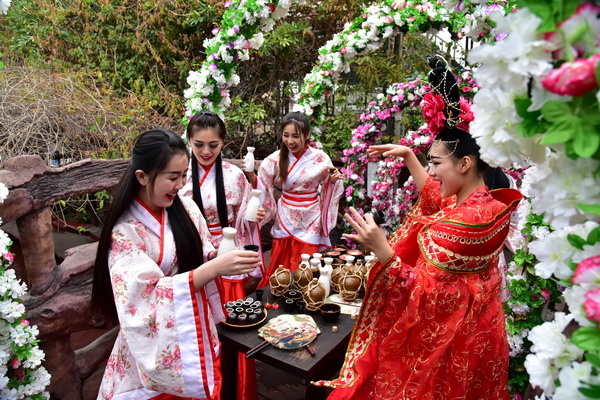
<point>221,191</point>
<point>151,275</point>
<point>432,325</point>
<point>308,207</point>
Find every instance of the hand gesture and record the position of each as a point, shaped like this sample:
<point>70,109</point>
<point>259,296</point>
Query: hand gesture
<point>368,233</point>
<point>335,175</point>
<point>237,262</point>
<point>388,150</point>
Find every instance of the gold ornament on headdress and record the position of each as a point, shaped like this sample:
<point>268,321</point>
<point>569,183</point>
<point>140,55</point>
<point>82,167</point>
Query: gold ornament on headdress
<point>452,107</point>
<point>436,143</point>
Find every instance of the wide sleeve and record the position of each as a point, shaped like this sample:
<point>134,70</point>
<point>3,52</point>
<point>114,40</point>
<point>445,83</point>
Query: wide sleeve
<point>168,326</point>
<point>267,173</point>
<point>331,192</point>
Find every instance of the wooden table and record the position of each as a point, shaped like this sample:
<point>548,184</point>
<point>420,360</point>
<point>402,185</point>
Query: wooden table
<point>330,348</point>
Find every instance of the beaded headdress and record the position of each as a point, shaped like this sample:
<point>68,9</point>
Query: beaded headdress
<point>442,107</point>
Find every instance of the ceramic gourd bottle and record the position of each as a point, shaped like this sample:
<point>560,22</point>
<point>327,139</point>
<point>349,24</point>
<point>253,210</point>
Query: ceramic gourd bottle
<point>302,276</point>
<point>314,295</point>
<point>249,160</point>
<point>228,242</point>
<point>325,275</point>
<point>253,205</point>
<point>280,281</point>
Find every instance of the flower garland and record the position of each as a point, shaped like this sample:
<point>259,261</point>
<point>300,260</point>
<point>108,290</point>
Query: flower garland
<point>21,373</point>
<point>241,29</point>
<point>398,97</point>
<point>539,107</point>
<point>244,21</point>
<point>380,22</point>
<point>389,105</point>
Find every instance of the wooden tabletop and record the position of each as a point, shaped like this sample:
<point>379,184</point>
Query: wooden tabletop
<point>330,348</point>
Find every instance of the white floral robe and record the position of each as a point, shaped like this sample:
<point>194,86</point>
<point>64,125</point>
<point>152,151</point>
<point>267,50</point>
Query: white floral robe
<point>308,207</point>
<point>168,342</point>
<point>238,192</point>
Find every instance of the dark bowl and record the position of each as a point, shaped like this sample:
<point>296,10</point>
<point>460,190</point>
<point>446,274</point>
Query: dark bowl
<point>330,311</point>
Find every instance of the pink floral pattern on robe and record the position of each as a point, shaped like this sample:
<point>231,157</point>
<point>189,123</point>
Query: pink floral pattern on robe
<point>168,341</point>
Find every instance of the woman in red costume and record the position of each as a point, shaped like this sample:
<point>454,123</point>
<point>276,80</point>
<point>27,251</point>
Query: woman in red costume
<point>432,325</point>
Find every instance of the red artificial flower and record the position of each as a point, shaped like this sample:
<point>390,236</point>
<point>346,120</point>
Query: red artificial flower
<point>271,7</point>
<point>591,305</point>
<point>466,114</point>
<point>573,78</point>
<point>433,112</point>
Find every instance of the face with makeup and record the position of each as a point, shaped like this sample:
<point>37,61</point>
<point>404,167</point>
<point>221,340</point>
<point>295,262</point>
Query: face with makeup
<point>445,169</point>
<point>206,145</point>
<point>160,194</point>
<point>293,139</point>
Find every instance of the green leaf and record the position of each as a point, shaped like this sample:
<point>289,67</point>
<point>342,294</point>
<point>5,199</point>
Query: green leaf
<point>586,140</point>
<point>594,236</point>
<point>521,106</point>
<point>592,393</point>
<point>557,111</point>
<point>589,208</point>
<point>559,132</point>
<point>576,241</point>
<point>593,359</point>
<point>587,338</point>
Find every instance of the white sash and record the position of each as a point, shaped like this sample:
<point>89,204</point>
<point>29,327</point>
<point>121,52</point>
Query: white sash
<point>162,229</point>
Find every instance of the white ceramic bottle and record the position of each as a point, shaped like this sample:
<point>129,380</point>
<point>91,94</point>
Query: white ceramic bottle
<point>228,243</point>
<point>253,205</point>
<point>249,160</point>
<point>325,275</point>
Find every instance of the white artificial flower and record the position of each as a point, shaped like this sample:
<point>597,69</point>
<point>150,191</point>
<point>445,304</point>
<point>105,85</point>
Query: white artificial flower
<point>495,130</point>
<point>11,310</point>
<point>257,41</point>
<point>510,62</point>
<point>553,252</point>
<point>3,192</point>
<point>549,342</point>
<point>541,373</point>
<point>553,190</point>
<point>4,4</point>
<point>574,297</point>
<point>571,378</point>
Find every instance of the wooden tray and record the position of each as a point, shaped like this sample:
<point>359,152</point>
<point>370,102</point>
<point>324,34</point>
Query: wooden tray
<point>224,322</point>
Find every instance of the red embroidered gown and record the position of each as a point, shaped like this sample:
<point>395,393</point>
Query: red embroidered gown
<point>432,325</point>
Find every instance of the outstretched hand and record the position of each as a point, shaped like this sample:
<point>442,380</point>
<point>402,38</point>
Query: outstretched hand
<point>388,150</point>
<point>368,233</point>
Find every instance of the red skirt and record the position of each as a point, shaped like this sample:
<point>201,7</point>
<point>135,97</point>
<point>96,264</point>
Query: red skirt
<point>287,252</point>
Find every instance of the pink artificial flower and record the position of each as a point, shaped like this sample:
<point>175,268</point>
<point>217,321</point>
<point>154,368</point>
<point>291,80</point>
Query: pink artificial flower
<point>466,114</point>
<point>433,112</point>
<point>591,305</point>
<point>573,78</point>
<point>343,50</point>
<point>24,322</point>
<point>568,37</point>
<point>588,271</point>
<point>15,363</point>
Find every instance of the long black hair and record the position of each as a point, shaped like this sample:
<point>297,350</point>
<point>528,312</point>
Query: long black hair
<point>302,125</point>
<point>151,153</point>
<point>455,136</point>
<point>200,121</point>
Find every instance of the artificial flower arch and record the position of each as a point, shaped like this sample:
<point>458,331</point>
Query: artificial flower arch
<point>245,21</point>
